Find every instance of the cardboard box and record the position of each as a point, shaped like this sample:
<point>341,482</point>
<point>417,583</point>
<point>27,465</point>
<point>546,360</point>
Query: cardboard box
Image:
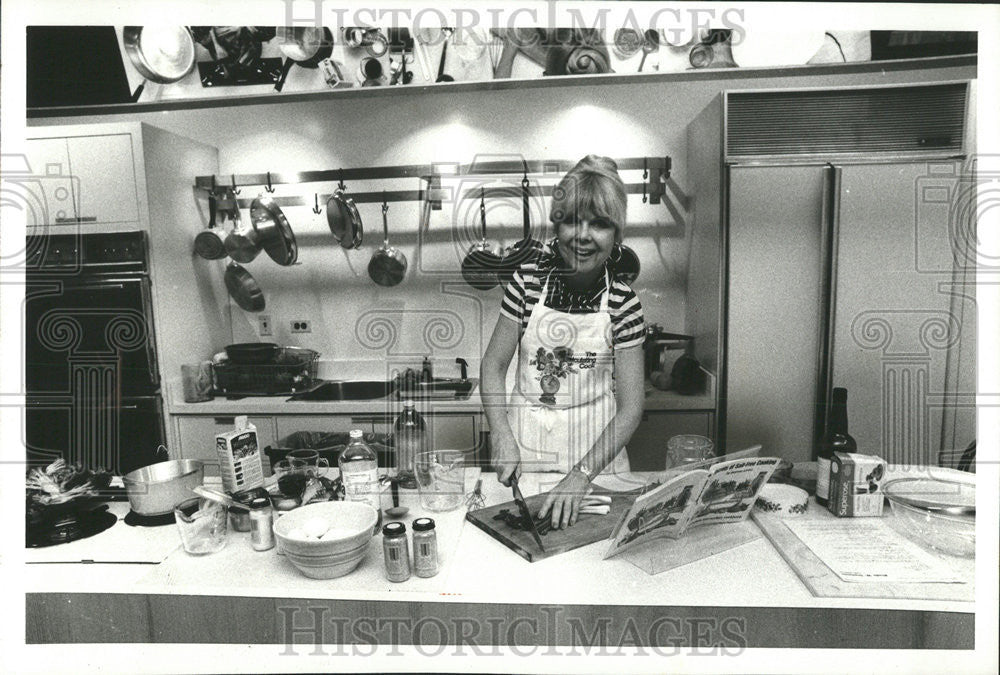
<point>240,463</point>
<point>855,485</point>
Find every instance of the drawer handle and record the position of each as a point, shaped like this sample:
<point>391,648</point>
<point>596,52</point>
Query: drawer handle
<point>81,219</point>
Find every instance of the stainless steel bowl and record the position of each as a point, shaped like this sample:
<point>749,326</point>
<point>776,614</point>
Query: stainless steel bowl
<point>154,490</point>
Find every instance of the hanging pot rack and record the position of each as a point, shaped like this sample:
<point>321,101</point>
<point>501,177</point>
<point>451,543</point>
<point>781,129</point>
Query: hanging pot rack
<point>656,170</point>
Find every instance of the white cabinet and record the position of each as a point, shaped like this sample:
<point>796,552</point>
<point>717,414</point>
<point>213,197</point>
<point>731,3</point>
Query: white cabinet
<point>85,179</point>
<point>48,159</point>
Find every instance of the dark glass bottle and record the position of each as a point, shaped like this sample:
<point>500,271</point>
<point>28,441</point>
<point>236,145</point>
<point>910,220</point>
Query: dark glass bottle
<point>836,440</point>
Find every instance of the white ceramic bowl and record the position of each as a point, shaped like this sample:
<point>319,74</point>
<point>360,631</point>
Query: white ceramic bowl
<point>327,568</point>
<point>355,523</point>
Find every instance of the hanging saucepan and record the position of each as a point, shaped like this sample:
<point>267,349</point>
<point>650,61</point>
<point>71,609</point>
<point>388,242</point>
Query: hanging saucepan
<point>303,46</point>
<point>388,265</point>
<point>479,268</point>
<point>243,288</point>
<point>343,219</point>
<point>527,249</point>
<point>274,234</point>
<point>242,243</point>
<point>210,243</point>
<point>161,54</point>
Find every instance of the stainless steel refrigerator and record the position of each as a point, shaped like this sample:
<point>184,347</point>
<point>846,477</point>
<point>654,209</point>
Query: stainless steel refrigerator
<point>843,239</point>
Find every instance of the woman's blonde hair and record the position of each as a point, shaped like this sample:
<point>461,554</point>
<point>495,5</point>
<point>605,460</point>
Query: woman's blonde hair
<point>591,189</point>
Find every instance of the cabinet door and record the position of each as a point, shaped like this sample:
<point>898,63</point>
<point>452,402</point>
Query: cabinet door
<point>775,315</point>
<point>51,176</point>
<point>104,167</point>
<point>197,438</point>
<point>894,323</point>
<point>647,449</point>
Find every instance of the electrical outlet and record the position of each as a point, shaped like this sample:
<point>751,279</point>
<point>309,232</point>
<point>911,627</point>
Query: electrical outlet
<point>264,327</point>
<point>300,326</point>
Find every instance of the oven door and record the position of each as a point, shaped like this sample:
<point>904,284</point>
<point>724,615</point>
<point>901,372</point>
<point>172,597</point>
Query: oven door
<point>120,435</point>
<point>75,328</point>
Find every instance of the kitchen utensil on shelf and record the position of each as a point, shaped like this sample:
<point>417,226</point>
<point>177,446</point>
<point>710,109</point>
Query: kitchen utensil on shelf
<point>441,76</point>
<point>202,524</point>
<point>210,243</point>
<point>936,512</point>
<point>388,264</point>
<point>628,42</point>
<point>440,479</point>
<point>525,512</point>
<point>650,44</point>
<point>305,46</point>
<point>252,353</point>
<point>161,54</point>
<point>370,72</point>
<point>154,490</point>
<point>243,288</point>
<point>274,234</point>
<point>479,268</point>
<point>242,243</point>
<point>345,532</point>
<point>527,249</point>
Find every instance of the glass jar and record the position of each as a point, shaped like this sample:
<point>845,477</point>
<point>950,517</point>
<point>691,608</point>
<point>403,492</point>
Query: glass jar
<point>261,524</point>
<point>397,552</point>
<point>425,550</point>
<point>688,449</point>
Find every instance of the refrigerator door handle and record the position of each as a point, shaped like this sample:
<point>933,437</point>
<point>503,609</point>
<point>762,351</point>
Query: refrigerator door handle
<point>829,238</point>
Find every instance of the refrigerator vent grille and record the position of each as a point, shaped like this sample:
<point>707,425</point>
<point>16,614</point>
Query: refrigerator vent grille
<point>922,119</point>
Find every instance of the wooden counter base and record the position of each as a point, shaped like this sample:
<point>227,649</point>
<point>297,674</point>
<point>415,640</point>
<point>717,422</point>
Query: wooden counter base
<point>299,625</point>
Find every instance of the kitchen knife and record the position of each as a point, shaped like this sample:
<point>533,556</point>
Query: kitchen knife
<point>525,512</point>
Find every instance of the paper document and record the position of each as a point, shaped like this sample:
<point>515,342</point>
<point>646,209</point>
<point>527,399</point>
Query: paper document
<point>869,550</point>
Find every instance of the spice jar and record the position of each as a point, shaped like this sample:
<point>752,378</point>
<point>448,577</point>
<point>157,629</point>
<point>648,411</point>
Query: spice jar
<point>397,552</point>
<point>425,549</point>
<point>261,524</point>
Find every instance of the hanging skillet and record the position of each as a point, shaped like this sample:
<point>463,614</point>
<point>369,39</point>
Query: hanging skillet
<point>303,46</point>
<point>479,268</point>
<point>210,243</point>
<point>274,234</point>
<point>242,243</point>
<point>527,249</point>
<point>243,288</point>
<point>626,266</point>
<point>161,54</point>
<point>388,265</point>
<point>343,219</point>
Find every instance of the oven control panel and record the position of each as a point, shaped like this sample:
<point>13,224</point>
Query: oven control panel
<point>113,251</point>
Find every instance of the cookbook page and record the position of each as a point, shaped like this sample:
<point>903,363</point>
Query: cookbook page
<point>731,490</point>
<point>660,513</point>
<point>866,549</point>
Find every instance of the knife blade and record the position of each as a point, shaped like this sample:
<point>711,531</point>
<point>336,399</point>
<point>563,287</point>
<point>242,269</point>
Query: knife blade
<point>525,512</point>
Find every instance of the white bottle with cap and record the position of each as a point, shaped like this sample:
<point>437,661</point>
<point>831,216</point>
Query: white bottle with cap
<point>359,472</point>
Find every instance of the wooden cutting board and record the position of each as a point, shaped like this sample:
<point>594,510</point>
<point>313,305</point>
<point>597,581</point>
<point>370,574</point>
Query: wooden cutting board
<point>587,530</point>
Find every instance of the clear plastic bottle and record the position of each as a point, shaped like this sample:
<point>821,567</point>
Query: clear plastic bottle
<point>410,438</point>
<point>359,472</point>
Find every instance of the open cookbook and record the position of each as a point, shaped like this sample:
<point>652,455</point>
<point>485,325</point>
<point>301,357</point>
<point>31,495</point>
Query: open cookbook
<point>723,492</point>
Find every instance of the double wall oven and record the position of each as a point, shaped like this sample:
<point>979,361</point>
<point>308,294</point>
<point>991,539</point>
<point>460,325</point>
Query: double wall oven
<point>91,376</point>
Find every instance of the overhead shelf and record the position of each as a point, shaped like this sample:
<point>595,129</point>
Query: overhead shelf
<point>703,74</point>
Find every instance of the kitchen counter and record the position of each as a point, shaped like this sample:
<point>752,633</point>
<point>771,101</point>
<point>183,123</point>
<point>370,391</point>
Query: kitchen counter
<point>479,577</point>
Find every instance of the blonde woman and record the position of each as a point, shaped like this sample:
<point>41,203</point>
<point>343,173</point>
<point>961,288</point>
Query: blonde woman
<point>578,333</point>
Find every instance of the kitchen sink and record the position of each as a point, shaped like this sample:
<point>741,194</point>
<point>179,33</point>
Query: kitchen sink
<point>347,390</point>
<point>439,387</point>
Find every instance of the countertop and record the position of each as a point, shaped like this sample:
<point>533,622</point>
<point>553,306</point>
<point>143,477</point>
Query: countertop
<point>472,564</point>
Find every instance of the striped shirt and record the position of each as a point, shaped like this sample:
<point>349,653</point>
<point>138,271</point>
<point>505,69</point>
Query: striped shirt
<point>521,295</point>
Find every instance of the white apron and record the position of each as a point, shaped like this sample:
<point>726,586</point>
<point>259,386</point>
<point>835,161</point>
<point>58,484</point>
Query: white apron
<point>564,395</point>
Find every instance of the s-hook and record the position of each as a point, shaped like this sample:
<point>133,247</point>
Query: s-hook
<point>340,182</point>
<point>232,178</point>
<point>268,186</point>
<point>316,209</point>
<point>645,178</point>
